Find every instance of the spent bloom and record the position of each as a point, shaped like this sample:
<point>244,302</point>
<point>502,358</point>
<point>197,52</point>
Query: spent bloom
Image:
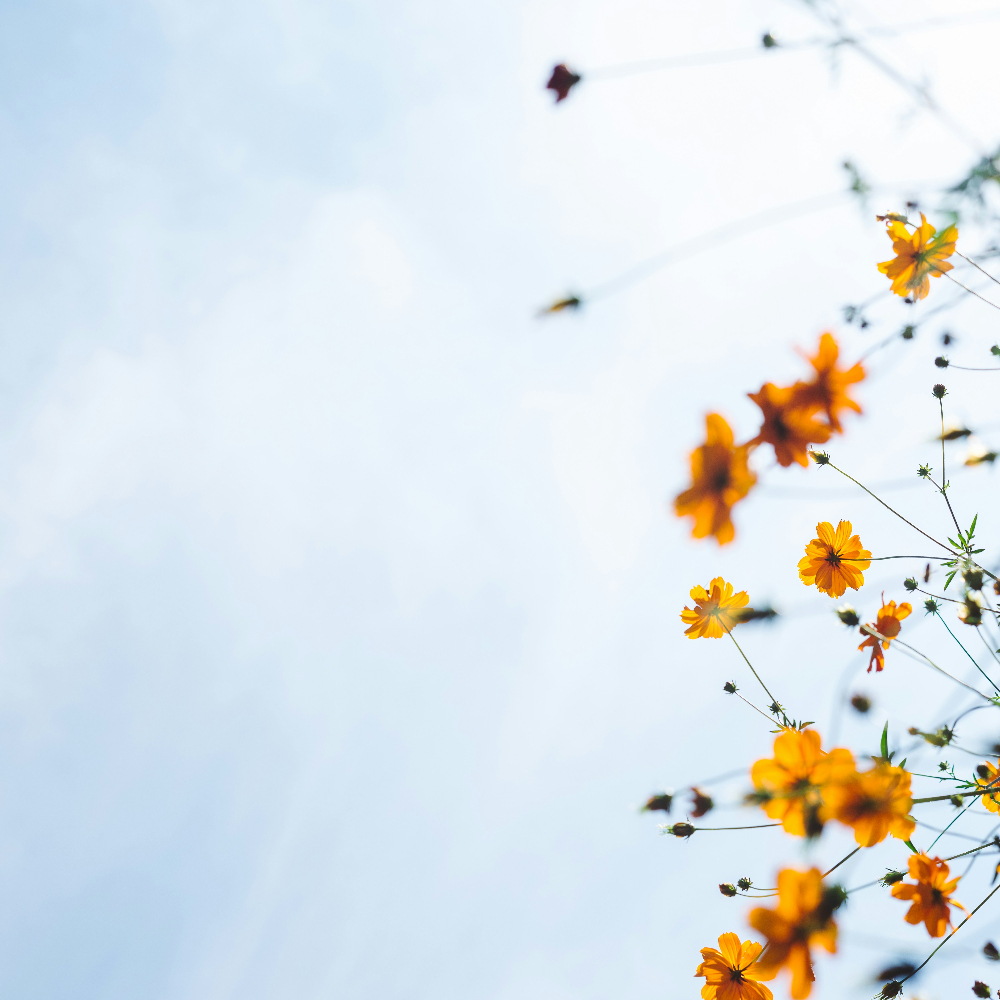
<point>834,560</point>
<point>930,895</point>
<point>789,785</point>
<point>888,624</point>
<point>790,423</point>
<point>719,478</point>
<point>828,389</point>
<point>802,919</point>
<point>920,255</point>
<point>874,804</point>
<point>716,610</point>
<point>731,972</point>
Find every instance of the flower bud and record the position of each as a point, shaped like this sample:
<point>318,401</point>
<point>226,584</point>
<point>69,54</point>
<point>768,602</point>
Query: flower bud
<point>769,41</point>
<point>990,951</point>
<point>727,889</point>
<point>820,457</point>
<point>680,830</point>
<point>659,803</point>
<point>891,878</point>
<point>939,391</point>
<point>744,883</point>
<point>981,989</point>
<point>924,471</point>
<point>890,990</point>
<point>908,332</point>
<point>861,703</point>
<point>941,362</point>
<point>983,771</point>
<point>730,687</point>
<point>848,615</point>
<point>973,579</point>
<point>702,803</point>
<point>931,605</point>
<point>910,583</point>
<point>956,801</point>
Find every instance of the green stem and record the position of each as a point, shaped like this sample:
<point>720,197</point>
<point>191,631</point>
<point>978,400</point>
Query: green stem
<point>774,701</point>
<point>937,614</point>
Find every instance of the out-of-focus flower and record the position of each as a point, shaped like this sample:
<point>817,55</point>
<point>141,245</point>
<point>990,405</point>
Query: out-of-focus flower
<point>660,802</point>
<point>715,610</point>
<point>920,255</point>
<point>828,389</point>
<point>874,804</point>
<point>861,703</point>
<point>848,615</point>
<point>789,786</point>
<point>731,971</point>
<point>930,895</point>
<point>834,560</point>
<point>971,611</point>
<point>789,426</point>
<point>987,775</point>
<point>888,624</point>
<point>803,919</point>
<point>700,803</point>
<point>562,81</point>
<point>569,302</point>
<point>719,478</point>
<point>981,990</point>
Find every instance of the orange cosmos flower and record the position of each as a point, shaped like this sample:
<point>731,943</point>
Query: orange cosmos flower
<point>931,894</point>
<point>889,623</point>
<point>834,561</point>
<point>790,425</point>
<point>730,972</point>
<point>789,787</point>
<point>719,478</point>
<point>989,777</point>
<point>920,255</point>
<point>828,389</point>
<point>716,610</point>
<point>802,918</point>
<point>874,804</point>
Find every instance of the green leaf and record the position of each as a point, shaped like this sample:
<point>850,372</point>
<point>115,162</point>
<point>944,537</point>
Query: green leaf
<point>951,576</point>
<point>972,529</point>
<point>911,847</point>
<point>902,763</point>
<point>885,741</point>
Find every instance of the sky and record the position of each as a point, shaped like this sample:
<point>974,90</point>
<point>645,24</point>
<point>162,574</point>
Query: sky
<point>339,643</point>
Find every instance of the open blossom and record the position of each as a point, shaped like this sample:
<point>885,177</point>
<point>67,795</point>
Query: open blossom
<point>989,777</point>
<point>719,478</point>
<point>716,610</point>
<point>731,973</point>
<point>920,255</point>
<point>802,919</point>
<point>828,389</point>
<point>789,786</point>
<point>873,803</point>
<point>790,423</point>
<point>888,624</point>
<point>931,895</point>
<point>834,560</point>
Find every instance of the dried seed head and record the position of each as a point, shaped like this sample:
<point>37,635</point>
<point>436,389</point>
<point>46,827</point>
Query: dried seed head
<point>727,889</point>
<point>939,391</point>
<point>680,830</point>
<point>941,362</point>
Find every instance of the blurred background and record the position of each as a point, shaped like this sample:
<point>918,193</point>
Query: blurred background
<point>339,594</point>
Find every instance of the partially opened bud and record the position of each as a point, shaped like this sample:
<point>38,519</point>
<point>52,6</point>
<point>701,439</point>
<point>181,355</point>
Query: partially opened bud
<point>727,889</point>
<point>981,989</point>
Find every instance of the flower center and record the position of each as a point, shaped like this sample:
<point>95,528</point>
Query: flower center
<point>833,557</point>
<point>736,975</point>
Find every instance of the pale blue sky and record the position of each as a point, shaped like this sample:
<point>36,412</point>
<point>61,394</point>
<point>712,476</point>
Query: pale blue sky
<point>338,595</point>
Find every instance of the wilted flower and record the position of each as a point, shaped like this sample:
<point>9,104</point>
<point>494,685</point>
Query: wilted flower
<point>727,889</point>
<point>981,989</point>
<point>562,81</point>
<point>834,560</point>
<point>890,618</point>
<point>659,803</point>
<point>719,478</point>
<point>920,255</point>
<point>701,803</point>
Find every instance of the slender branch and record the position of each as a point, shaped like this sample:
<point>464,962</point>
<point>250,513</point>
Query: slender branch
<point>937,614</point>
<point>891,511</point>
<point>774,700</point>
<point>948,938</point>
<point>981,847</point>
<point>841,861</point>
<point>978,268</point>
<point>969,290</point>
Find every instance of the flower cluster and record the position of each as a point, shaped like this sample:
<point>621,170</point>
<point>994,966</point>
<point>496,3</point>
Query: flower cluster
<point>793,418</point>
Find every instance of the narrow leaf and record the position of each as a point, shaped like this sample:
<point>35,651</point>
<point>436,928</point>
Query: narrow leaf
<point>885,741</point>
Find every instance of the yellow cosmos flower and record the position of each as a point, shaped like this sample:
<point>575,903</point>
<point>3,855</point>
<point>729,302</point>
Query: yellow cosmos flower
<point>730,972</point>
<point>790,423</point>
<point>802,919</point>
<point>828,389</point>
<point>920,255</point>
<point>719,478</point>
<point>716,610</point>
<point>834,561</point>
<point>889,623</point>
<point>789,786</point>
<point>989,777</point>
<point>931,895</point>
<point>874,804</point>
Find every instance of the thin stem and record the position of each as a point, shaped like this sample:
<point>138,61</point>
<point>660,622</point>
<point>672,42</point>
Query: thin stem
<point>977,267</point>
<point>891,511</point>
<point>774,701</point>
<point>715,829</point>
<point>883,558</point>
<point>948,938</point>
<point>937,614</point>
<point>754,707</point>
<point>986,643</point>
<point>939,597</point>
<point>970,291</point>
<point>955,819</point>
<point>981,847</point>
<point>841,861</point>
<point>964,368</point>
